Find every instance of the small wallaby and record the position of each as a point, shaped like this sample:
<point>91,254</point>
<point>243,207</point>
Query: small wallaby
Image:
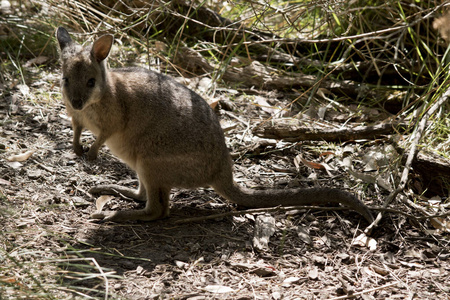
<point>164,131</point>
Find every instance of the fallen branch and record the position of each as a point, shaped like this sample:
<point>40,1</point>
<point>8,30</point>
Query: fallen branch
<point>433,173</point>
<point>292,130</point>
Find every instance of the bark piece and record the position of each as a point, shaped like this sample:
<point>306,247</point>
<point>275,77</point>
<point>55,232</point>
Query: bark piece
<point>291,129</point>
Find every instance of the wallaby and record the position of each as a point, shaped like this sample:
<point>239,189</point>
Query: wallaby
<point>164,131</point>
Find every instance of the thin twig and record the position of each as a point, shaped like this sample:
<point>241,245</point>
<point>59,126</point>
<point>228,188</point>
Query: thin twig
<point>256,211</point>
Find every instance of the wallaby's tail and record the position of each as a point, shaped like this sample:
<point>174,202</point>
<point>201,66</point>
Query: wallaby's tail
<point>271,198</point>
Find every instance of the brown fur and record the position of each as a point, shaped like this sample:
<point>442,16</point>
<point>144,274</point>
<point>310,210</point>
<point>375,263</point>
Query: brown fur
<point>165,132</point>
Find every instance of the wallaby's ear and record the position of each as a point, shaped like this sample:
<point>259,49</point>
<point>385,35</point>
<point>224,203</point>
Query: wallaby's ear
<point>63,37</point>
<point>101,47</point>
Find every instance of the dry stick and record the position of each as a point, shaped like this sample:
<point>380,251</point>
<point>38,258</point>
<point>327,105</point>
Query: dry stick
<point>417,135</point>
<point>366,291</point>
<point>254,211</point>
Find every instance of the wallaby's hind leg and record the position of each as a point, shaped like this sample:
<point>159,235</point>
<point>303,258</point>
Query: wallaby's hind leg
<point>121,191</point>
<point>157,207</point>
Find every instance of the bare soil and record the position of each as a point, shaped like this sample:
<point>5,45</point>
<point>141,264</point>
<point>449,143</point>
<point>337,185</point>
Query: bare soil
<point>50,248</point>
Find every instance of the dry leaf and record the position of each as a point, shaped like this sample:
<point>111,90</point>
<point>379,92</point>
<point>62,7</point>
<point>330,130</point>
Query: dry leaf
<point>371,179</point>
<point>8,280</point>
<point>346,162</point>
<point>440,224</point>
<point>181,264</point>
<point>21,157</point>
<point>309,164</point>
<point>326,153</point>
<point>434,203</point>
<point>364,177</point>
<point>313,273</point>
<point>290,280</point>
<point>271,109</point>
<point>264,229</point>
<point>379,270</point>
<point>322,111</point>
<point>412,264</point>
<point>24,89</point>
<point>303,234</point>
<point>4,182</point>
<point>213,104</point>
<point>40,60</point>
<point>264,271</point>
<point>364,241</point>
<point>101,201</point>
<point>14,164</point>
<point>264,105</point>
<point>160,46</point>
<point>218,289</point>
<point>258,269</point>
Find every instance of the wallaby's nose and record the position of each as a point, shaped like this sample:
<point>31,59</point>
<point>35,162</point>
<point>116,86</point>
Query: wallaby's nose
<point>77,103</point>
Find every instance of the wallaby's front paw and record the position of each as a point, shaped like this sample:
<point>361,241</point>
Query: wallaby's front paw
<point>91,155</point>
<point>78,149</point>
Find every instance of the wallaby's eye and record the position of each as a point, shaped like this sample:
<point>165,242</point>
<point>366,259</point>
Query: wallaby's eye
<point>65,80</point>
<point>91,83</point>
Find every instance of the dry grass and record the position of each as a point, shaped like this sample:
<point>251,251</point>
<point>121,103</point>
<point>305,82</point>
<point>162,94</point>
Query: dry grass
<point>390,47</point>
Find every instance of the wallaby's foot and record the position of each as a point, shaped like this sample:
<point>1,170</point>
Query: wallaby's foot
<point>119,191</point>
<point>91,154</point>
<point>157,206</point>
<point>78,149</point>
<point>128,215</point>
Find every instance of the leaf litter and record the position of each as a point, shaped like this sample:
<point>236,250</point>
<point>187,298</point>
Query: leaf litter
<point>302,254</point>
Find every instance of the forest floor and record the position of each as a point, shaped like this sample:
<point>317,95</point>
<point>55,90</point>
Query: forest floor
<point>50,249</point>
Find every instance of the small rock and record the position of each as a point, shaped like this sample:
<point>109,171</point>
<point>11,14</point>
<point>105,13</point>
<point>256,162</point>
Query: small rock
<point>313,273</point>
<point>264,229</point>
<point>140,270</point>
<point>276,295</point>
<point>34,174</point>
<point>181,265</point>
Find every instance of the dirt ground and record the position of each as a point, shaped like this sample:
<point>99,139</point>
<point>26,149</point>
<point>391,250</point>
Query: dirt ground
<point>50,248</point>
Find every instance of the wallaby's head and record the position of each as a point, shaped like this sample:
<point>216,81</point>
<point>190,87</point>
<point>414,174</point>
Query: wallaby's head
<point>84,69</point>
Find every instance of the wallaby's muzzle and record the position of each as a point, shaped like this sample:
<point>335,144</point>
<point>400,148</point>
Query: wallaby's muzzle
<point>77,104</point>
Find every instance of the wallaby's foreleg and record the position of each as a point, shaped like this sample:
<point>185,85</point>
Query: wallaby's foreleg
<point>157,207</point>
<point>93,151</point>
<point>121,191</point>
<point>78,148</point>
<point>77,129</point>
